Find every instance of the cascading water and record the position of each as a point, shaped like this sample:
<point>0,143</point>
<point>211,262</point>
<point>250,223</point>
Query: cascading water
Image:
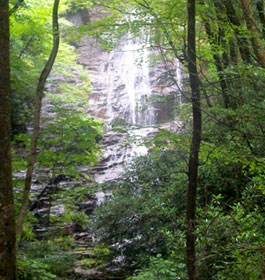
<point>130,96</point>
<point>129,66</point>
<point>130,86</point>
<point>179,80</point>
<point>127,71</point>
<point>110,81</point>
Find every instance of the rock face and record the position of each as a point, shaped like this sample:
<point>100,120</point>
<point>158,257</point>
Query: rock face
<point>127,92</point>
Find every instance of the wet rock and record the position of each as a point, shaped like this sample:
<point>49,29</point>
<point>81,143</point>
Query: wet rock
<point>88,206</point>
<point>84,253</point>
<point>58,210</point>
<point>126,88</point>
<point>102,197</point>
<point>76,228</point>
<point>60,178</point>
<point>91,274</point>
<point>94,274</point>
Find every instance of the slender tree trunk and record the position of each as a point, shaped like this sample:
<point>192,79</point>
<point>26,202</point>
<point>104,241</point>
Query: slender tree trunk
<point>260,8</point>
<point>218,63</point>
<point>195,144</point>
<point>222,41</point>
<point>254,32</point>
<point>233,53</point>
<point>7,217</point>
<point>242,41</point>
<point>36,126</point>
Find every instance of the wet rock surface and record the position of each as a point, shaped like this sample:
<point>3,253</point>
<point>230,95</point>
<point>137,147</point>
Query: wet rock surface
<point>132,97</point>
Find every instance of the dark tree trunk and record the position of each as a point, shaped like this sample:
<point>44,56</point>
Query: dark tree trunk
<point>224,61</point>
<point>260,8</point>
<point>36,127</point>
<point>254,32</point>
<point>218,63</point>
<point>195,144</point>
<point>233,52</point>
<point>243,43</point>
<point>7,222</point>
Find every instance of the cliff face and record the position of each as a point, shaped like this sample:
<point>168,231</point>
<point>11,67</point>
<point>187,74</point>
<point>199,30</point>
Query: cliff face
<point>127,92</point>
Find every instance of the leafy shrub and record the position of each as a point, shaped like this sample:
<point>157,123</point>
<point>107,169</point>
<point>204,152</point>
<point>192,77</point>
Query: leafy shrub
<point>140,220</point>
<point>45,259</point>
<point>159,269</point>
<point>30,269</point>
<point>232,243</point>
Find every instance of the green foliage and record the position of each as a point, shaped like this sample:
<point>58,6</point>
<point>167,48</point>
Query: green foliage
<point>69,141</point>
<point>31,42</point>
<point>66,144</point>
<point>45,260</point>
<point>28,30</point>
<point>33,269</point>
<point>231,243</point>
<point>158,269</point>
<point>138,221</point>
<point>162,22</point>
<point>73,217</point>
<point>77,5</point>
<point>230,227</point>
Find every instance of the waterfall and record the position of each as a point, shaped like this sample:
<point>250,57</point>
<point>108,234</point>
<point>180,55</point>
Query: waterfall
<point>179,81</point>
<point>132,97</point>
<point>145,110</point>
<point>110,82</point>
<point>128,67</point>
<point>127,71</point>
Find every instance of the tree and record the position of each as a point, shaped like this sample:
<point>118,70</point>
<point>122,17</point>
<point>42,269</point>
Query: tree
<point>260,8</point>
<point>36,127</point>
<point>254,32</point>
<point>220,60</point>
<point>7,222</point>
<point>195,144</point>
<point>242,40</point>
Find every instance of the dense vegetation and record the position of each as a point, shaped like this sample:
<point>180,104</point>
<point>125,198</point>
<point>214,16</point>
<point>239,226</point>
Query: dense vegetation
<point>142,228</point>
<point>148,205</point>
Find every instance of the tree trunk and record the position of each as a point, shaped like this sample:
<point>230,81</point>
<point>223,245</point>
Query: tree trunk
<point>195,144</point>
<point>218,62</point>
<point>242,41</point>
<point>254,32</point>
<point>7,217</point>
<point>260,8</point>
<point>233,52</point>
<point>36,127</point>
